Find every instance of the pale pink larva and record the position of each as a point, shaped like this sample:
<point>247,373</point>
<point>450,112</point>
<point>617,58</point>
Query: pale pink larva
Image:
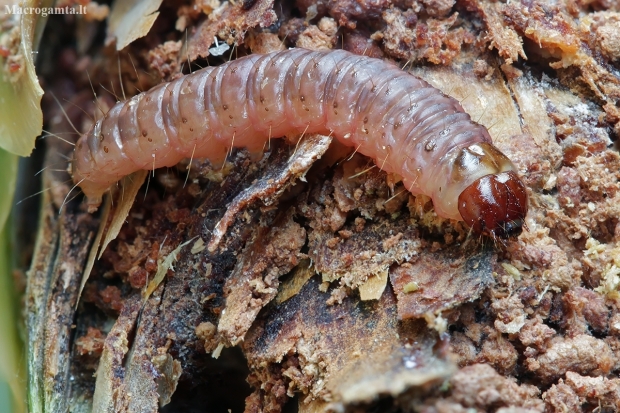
<point>399,120</point>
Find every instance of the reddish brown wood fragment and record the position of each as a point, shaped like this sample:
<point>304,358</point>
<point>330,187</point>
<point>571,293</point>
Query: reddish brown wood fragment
<point>444,279</point>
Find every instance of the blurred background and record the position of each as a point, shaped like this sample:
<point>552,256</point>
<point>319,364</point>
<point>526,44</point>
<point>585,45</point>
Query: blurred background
<point>12,373</point>
<point>20,124</point>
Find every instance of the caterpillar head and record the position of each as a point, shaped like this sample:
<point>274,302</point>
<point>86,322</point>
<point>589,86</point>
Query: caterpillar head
<point>495,205</point>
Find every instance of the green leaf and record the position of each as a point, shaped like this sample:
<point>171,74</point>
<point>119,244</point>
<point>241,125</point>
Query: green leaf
<point>21,118</point>
<point>11,357</point>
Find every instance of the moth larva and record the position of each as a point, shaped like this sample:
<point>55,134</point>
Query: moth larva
<point>397,119</point>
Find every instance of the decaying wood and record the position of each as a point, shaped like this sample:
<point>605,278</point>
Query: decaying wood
<point>319,278</point>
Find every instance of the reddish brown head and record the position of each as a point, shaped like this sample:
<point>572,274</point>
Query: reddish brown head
<point>495,205</point>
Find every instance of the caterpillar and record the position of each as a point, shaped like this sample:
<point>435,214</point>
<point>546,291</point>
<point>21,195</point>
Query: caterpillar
<point>405,125</point>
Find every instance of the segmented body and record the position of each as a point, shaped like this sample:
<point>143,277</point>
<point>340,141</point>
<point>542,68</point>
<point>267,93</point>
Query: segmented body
<point>399,120</point>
